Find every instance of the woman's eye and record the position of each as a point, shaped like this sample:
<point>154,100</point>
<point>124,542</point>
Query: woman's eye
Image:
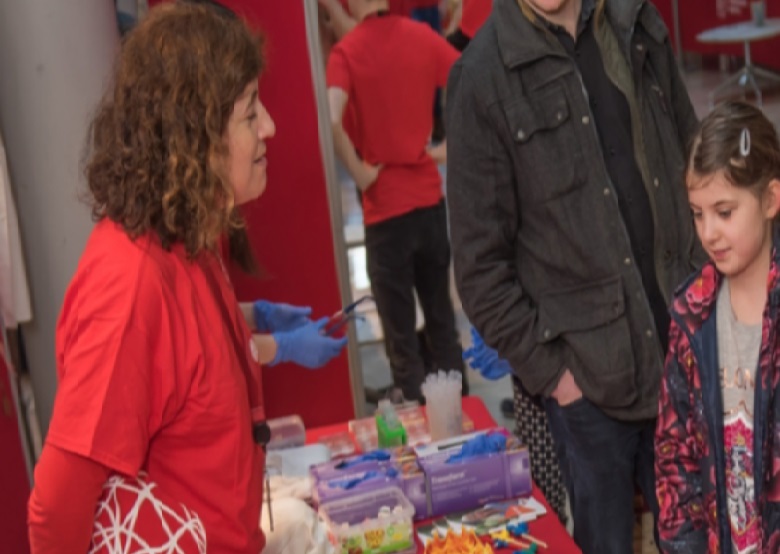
<point>725,214</point>
<point>251,117</point>
<point>696,215</point>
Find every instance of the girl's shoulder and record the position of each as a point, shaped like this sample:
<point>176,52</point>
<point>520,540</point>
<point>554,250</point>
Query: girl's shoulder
<point>694,300</point>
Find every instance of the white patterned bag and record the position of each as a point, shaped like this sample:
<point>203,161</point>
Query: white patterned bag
<point>134,517</point>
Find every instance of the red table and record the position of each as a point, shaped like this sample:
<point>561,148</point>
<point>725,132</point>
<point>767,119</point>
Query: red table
<point>546,528</point>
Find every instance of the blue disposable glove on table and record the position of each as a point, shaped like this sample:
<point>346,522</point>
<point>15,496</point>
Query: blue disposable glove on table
<point>272,317</point>
<point>480,445</point>
<point>307,345</point>
<point>385,474</point>
<point>484,359</point>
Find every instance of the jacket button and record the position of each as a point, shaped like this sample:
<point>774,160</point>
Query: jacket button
<point>585,120</point>
<point>649,333</point>
<point>627,261</point>
<point>640,47</point>
<point>606,192</point>
<point>559,116</point>
<point>521,134</point>
<point>547,333</point>
<point>656,182</point>
<point>616,307</point>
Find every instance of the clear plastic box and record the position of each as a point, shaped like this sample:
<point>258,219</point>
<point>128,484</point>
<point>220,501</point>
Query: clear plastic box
<point>376,522</point>
<point>339,444</point>
<point>286,432</point>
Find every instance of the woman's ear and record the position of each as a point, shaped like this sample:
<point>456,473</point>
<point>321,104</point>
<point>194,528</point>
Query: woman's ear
<point>772,199</point>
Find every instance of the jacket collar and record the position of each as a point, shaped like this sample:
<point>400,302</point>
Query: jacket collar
<point>520,41</point>
<point>695,299</point>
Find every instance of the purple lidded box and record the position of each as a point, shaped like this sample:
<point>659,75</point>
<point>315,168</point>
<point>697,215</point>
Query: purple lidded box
<point>470,483</point>
<point>373,522</point>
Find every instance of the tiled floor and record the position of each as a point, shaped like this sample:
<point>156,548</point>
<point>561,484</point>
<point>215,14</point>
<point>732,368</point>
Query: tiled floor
<point>376,371</point>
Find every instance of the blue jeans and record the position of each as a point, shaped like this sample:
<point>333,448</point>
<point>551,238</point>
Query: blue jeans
<point>602,461</point>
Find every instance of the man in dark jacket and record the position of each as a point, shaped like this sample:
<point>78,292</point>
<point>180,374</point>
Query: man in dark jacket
<point>567,124</point>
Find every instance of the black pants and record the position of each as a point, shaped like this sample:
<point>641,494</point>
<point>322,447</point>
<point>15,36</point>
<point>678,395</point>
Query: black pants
<point>405,254</point>
<point>602,460</point>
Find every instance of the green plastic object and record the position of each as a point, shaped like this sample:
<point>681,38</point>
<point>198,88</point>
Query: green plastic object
<point>389,430</point>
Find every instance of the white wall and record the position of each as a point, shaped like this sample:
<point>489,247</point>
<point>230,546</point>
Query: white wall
<point>55,57</point>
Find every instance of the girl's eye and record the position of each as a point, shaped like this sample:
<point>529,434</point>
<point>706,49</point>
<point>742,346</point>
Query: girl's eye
<point>696,215</point>
<point>725,214</point>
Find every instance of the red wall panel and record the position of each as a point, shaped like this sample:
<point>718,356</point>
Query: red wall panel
<point>14,483</point>
<point>700,15</point>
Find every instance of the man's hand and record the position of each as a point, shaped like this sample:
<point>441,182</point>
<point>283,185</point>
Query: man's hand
<point>367,176</point>
<point>438,152</point>
<point>567,392</point>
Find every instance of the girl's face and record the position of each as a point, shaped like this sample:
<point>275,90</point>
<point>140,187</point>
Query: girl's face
<point>733,224</point>
<point>247,130</point>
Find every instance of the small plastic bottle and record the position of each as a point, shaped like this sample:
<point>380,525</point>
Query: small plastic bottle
<point>390,432</point>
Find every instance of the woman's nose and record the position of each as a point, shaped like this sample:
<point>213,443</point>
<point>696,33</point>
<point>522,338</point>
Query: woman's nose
<point>267,127</point>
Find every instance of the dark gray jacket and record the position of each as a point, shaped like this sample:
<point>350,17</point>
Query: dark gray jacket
<point>542,257</point>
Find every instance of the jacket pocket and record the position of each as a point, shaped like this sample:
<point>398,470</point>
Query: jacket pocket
<point>591,320</point>
<point>546,152</point>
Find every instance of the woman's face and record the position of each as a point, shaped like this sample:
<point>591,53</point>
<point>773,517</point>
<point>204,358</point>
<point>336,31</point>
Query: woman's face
<point>247,130</point>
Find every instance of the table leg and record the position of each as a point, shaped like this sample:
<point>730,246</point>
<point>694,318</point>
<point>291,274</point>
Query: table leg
<point>749,78</point>
<point>752,81</point>
<point>739,78</point>
<point>765,75</point>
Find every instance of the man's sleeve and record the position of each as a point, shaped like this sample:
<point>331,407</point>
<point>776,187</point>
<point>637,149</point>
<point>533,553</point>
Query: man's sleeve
<point>684,114</point>
<point>337,72</point>
<point>686,122</point>
<point>485,219</point>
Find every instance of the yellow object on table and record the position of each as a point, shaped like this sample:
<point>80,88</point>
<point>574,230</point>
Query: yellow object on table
<point>465,543</point>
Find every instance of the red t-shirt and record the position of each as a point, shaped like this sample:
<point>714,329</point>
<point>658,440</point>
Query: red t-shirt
<point>390,68</point>
<point>474,15</point>
<point>394,7</point>
<point>150,379</point>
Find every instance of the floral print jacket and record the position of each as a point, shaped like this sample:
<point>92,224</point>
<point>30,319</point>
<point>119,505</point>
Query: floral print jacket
<point>689,443</point>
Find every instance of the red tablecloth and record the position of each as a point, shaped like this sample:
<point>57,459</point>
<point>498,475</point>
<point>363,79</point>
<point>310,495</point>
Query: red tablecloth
<point>546,528</point>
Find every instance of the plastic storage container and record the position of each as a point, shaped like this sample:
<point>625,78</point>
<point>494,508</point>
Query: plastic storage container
<point>376,522</point>
<point>286,432</point>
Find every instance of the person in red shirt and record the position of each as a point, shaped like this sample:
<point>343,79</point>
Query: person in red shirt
<point>159,409</point>
<point>387,69</point>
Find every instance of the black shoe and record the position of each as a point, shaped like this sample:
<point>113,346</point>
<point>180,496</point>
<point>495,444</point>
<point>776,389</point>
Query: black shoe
<point>508,408</point>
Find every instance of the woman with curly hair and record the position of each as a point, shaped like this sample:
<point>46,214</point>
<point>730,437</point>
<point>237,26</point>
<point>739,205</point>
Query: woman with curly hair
<point>159,406</point>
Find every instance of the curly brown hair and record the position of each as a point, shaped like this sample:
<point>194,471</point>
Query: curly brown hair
<point>156,150</point>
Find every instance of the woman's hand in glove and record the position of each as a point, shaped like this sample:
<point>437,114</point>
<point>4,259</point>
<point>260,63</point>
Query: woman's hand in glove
<point>307,345</point>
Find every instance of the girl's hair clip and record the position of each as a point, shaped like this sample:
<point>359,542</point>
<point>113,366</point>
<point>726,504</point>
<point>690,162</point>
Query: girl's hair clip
<point>744,143</point>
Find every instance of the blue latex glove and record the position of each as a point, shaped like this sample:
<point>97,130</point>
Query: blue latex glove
<point>273,317</point>
<point>479,446</point>
<point>307,346</point>
<point>374,455</point>
<point>484,359</point>
<point>388,473</point>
